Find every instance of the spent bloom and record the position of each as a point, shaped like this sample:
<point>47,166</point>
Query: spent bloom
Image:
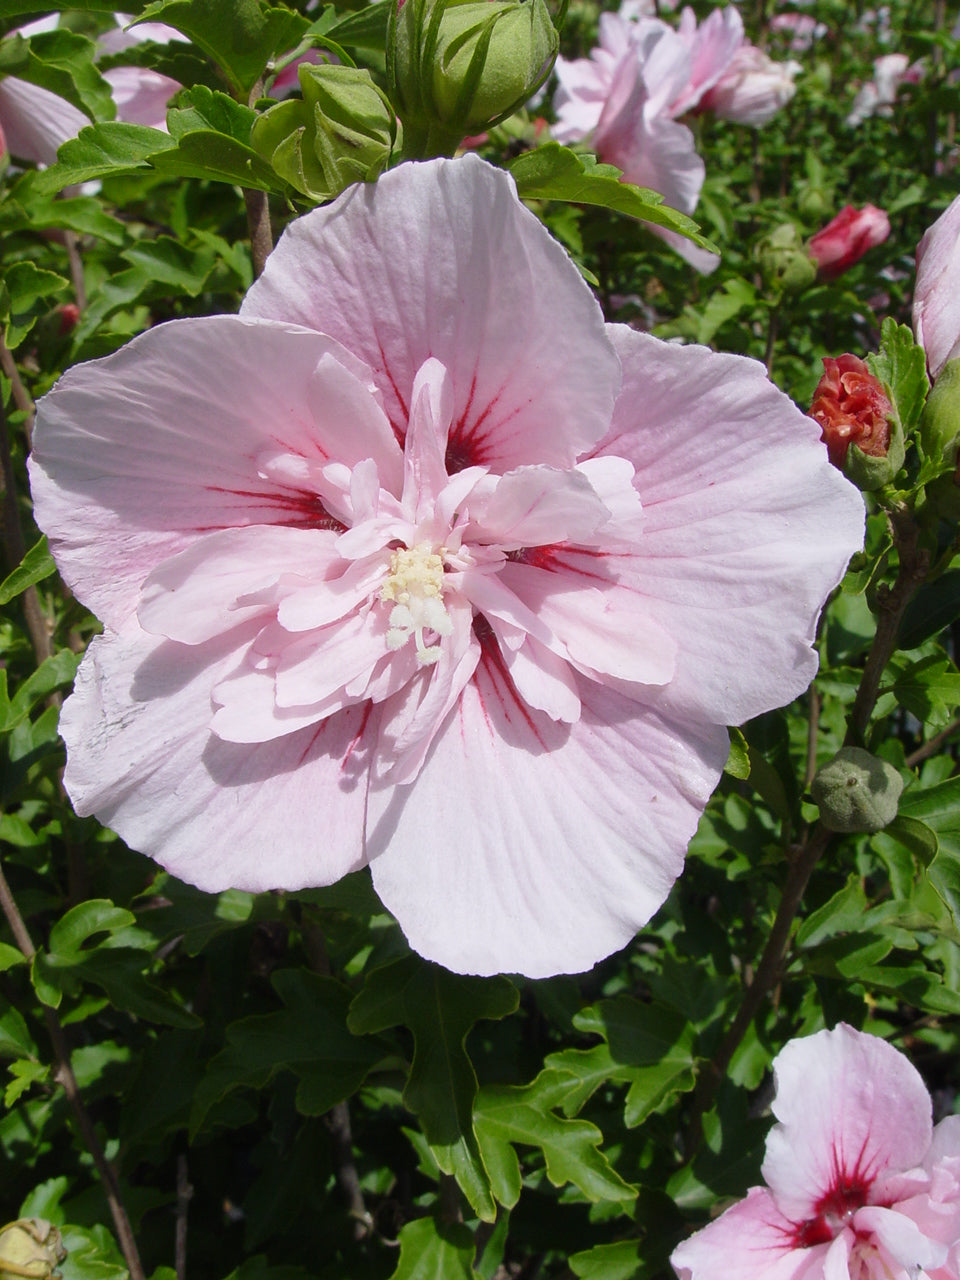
<point>859,1184</point>
<point>416,563</point>
<point>878,95</point>
<point>847,237</point>
<point>936,296</point>
<point>753,88</point>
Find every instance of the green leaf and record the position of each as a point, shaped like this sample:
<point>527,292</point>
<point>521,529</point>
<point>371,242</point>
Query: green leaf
<point>914,835</point>
<point>506,1116</point>
<point>36,565</point>
<point>440,1008</point>
<point>552,172</point>
<point>53,673</point>
<point>169,263</point>
<point>364,29</point>
<point>935,606</point>
<point>200,108</point>
<point>15,1038</point>
<point>618,1261</point>
<point>206,154</point>
<point>902,366</point>
<point>62,62</point>
<point>10,956</point>
<point>81,214</point>
<point>929,689</point>
<point>98,915</point>
<point>434,1250</point>
<point>25,1073</point>
<point>647,1046</point>
<point>309,1036</point>
<point>724,305</point>
<point>99,151</point>
<point>738,761</point>
<point>239,35</point>
<point>24,291</point>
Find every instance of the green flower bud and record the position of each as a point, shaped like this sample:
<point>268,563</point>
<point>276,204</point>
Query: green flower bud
<point>30,1247</point>
<point>815,203</point>
<point>940,424</point>
<point>857,791</point>
<point>457,67</point>
<point>342,131</point>
<point>784,262</point>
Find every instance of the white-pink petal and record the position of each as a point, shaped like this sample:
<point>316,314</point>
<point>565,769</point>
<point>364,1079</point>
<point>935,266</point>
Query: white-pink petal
<point>142,757</point>
<point>566,839</point>
<point>752,1240</point>
<point>747,526</point>
<point>492,298</point>
<point>836,1125</point>
<point>936,295</point>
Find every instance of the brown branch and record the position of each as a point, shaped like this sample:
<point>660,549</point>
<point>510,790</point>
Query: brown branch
<point>258,211</point>
<point>63,1074</point>
<point>931,747</point>
<point>76,268</point>
<point>184,1194</point>
<point>766,977</point>
<point>21,396</point>
<point>12,532</point>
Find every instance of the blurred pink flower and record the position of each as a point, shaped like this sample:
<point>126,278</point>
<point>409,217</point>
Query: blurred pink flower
<point>140,93</point>
<point>34,121</point>
<point>859,1184</point>
<point>415,562</point>
<point>642,75</point>
<point>936,296</point>
<point>847,237</point>
<point>753,88</point>
<point>878,95</point>
<point>801,28</point>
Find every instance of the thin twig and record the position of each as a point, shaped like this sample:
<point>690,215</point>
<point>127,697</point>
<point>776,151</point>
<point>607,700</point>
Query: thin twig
<point>813,724</point>
<point>337,1118</point>
<point>258,211</point>
<point>63,1074</point>
<point>21,396</point>
<point>13,537</point>
<point>184,1194</point>
<point>76,268</point>
<point>932,746</point>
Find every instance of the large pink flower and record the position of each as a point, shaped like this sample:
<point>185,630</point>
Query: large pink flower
<point>860,1186</point>
<point>417,563</point>
<point>936,297</point>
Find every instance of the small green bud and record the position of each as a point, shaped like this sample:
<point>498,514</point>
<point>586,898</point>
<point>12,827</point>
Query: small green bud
<point>342,131</point>
<point>814,203</point>
<point>870,473</point>
<point>940,423</point>
<point>30,1247</point>
<point>459,66</point>
<point>857,791</point>
<point>784,262</point>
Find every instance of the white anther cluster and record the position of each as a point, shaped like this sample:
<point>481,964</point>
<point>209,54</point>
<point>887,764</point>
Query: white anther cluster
<point>415,585</point>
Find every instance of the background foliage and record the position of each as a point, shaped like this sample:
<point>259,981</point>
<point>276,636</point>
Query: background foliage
<point>282,1088</point>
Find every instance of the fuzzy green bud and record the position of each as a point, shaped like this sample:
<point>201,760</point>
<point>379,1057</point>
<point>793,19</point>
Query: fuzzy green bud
<point>784,262</point>
<point>857,791</point>
<point>940,424</point>
<point>456,67</point>
<point>30,1247</point>
<point>342,131</point>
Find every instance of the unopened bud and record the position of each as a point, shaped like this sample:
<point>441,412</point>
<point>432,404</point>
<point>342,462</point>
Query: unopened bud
<point>784,262</point>
<point>857,791</point>
<point>460,66</point>
<point>858,423</point>
<point>341,131</point>
<point>940,424</point>
<point>30,1247</point>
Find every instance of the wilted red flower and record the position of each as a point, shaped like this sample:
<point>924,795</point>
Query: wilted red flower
<point>852,408</point>
<point>845,239</point>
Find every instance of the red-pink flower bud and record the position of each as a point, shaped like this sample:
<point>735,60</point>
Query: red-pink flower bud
<point>852,408</point>
<point>847,238</point>
<point>69,314</point>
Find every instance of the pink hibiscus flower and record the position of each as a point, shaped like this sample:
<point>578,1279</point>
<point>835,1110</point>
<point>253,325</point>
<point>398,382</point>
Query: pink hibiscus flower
<point>860,1186</point>
<point>415,562</point>
<point>936,297</point>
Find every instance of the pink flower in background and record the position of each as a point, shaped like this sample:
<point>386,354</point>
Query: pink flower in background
<point>140,93</point>
<point>801,28</point>
<point>753,88</point>
<point>34,121</point>
<point>878,95</point>
<point>847,237</point>
<point>415,562</point>
<point>936,296</point>
<point>643,74</point>
<point>859,1184</point>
